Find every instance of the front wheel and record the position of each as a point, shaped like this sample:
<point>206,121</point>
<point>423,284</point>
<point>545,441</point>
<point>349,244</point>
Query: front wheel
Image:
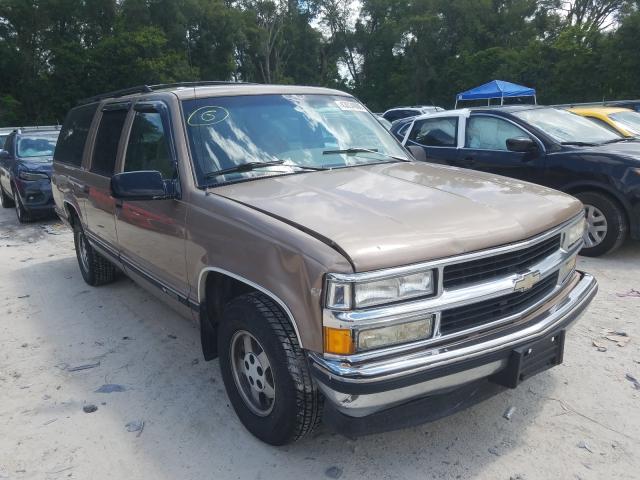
<point>24,216</point>
<point>265,372</point>
<point>606,224</point>
<point>96,270</point>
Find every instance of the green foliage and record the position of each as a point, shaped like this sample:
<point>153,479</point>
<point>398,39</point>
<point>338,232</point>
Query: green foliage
<point>54,52</point>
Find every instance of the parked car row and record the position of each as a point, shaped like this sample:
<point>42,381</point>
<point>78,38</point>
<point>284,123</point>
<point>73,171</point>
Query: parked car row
<point>544,145</point>
<point>25,171</point>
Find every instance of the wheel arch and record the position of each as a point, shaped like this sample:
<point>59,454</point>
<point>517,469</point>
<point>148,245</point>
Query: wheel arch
<point>228,285</point>
<point>605,190</point>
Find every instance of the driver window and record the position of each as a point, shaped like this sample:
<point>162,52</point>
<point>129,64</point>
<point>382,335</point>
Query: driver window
<point>148,148</point>
<point>490,133</point>
<point>436,132</point>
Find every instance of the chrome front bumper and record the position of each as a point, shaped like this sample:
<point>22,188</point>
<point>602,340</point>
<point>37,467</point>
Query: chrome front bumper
<point>359,389</point>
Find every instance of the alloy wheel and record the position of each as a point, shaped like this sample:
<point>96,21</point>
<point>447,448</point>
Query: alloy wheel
<point>252,373</point>
<point>597,226</point>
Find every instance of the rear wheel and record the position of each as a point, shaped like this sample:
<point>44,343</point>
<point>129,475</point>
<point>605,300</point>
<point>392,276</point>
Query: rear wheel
<point>5,200</point>
<point>265,372</point>
<point>96,270</point>
<point>606,224</point>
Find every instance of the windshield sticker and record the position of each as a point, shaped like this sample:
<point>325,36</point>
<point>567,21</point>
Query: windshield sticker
<point>207,116</point>
<point>350,106</point>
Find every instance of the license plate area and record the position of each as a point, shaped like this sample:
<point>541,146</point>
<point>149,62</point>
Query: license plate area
<point>531,359</point>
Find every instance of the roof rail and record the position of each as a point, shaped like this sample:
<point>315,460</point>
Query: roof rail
<point>202,83</point>
<point>151,88</point>
<point>36,128</point>
<point>116,93</point>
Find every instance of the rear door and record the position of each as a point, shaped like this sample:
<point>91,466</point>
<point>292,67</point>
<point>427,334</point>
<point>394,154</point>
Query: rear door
<point>99,204</point>
<point>438,137</point>
<point>151,233</point>
<point>485,149</point>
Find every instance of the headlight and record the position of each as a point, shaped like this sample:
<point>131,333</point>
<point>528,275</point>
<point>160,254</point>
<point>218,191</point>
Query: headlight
<point>339,341</point>
<point>395,334</point>
<point>573,233</point>
<point>32,176</point>
<point>347,295</point>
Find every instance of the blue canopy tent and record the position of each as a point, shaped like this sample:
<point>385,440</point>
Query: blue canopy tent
<point>496,89</point>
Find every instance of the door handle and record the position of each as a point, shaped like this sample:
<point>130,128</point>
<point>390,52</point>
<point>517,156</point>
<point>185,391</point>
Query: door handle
<point>86,189</point>
<point>118,204</point>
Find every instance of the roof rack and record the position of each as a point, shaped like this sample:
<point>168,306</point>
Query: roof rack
<point>150,88</point>
<point>37,128</point>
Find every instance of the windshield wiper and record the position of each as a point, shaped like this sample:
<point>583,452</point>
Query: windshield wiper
<point>354,150</point>
<point>579,144</point>
<point>245,167</point>
<point>616,140</point>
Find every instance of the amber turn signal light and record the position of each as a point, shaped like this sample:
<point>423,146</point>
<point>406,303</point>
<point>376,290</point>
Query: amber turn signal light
<point>338,341</point>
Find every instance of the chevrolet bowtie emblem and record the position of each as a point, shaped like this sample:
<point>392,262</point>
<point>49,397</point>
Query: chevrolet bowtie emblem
<point>526,281</point>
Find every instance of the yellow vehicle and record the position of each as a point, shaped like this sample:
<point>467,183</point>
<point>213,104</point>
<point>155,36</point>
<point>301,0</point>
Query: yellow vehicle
<point>623,121</point>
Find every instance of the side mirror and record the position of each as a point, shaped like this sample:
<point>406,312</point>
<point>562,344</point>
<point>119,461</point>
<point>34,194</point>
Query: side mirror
<point>417,152</point>
<point>143,185</point>
<point>4,155</point>
<point>521,144</point>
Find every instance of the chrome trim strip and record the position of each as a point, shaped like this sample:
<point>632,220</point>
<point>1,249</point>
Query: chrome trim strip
<point>242,279</point>
<point>575,301</point>
<point>452,298</point>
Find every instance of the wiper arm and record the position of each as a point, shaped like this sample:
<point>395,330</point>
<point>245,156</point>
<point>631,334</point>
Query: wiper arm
<point>579,144</point>
<point>354,150</point>
<point>244,167</point>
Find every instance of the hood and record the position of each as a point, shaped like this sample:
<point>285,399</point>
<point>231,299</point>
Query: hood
<point>37,164</point>
<point>401,213</point>
<point>629,149</point>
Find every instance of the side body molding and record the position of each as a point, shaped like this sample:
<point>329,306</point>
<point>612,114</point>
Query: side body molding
<point>285,309</point>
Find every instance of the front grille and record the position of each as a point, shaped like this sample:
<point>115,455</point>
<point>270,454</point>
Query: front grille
<point>470,316</point>
<point>499,265</point>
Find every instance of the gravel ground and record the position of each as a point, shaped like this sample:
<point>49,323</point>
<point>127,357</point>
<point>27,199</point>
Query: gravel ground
<point>578,421</point>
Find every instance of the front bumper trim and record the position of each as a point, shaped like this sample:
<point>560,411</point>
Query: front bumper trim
<point>400,379</point>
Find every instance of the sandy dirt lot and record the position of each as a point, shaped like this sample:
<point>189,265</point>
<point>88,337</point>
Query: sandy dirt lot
<point>577,421</point>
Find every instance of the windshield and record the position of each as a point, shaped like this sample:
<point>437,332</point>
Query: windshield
<point>566,127</point>
<point>300,131</point>
<point>629,121</point>
<point>41,145</point>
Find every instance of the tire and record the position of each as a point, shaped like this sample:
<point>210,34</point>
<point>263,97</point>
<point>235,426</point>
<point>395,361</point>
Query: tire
<point>5,200</point>
<point>606,224</point>
<point>24,216</point>
<point>96,270</point>
<point>295,408</point>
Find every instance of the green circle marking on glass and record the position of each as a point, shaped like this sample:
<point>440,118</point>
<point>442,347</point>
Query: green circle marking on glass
<point>207,116</point>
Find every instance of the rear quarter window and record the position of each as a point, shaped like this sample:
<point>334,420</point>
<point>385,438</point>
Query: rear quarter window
<point>73,135</point>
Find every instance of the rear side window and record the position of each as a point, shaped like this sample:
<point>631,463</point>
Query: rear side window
<point>73,135</point>
<point>105,149</point>
<point>148,148</point>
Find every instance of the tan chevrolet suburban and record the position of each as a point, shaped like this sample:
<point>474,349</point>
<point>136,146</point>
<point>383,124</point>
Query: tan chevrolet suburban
<point>332,275</point>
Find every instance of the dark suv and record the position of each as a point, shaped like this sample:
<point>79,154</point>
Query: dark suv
<point>25,171</point>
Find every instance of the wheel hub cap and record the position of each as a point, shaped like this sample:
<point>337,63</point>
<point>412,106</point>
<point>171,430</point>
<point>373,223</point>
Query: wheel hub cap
<point>252,373</point>
<point>597,226</point>
<point>84,251</point>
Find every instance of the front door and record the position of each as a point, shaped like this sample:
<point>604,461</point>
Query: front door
<point>485,149</point>
<point>151,233</point>
<point>438,137</point>
<point>99,206</point>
